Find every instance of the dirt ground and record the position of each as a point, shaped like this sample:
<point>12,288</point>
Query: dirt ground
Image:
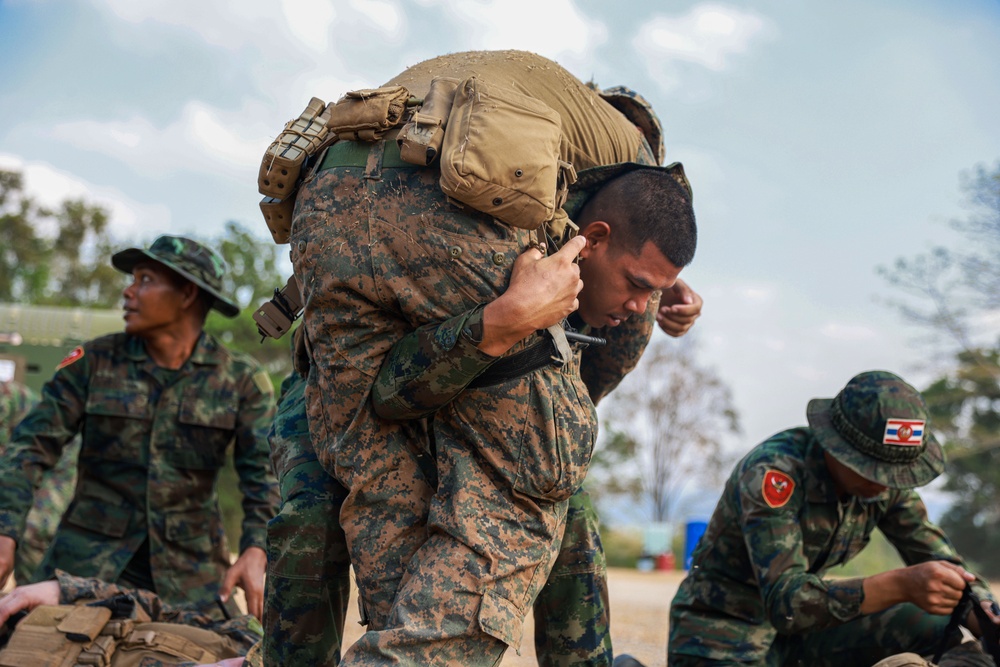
<point>640,605</point>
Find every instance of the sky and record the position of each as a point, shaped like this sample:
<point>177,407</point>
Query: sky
<point>822,140</point>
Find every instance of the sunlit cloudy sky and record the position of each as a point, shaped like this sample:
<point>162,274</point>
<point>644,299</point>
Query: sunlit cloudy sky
<point>822,139</point>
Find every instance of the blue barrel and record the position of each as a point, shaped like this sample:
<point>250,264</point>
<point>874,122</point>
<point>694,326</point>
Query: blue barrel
<point>692,533</point>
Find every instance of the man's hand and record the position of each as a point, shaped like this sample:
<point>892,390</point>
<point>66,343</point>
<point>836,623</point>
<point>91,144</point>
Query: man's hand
<point>680,306</point>
<point>935,586</point>
<point>28,597</point>
<point>7,548</point>
<point>248,573</point>
<point>542,291</point>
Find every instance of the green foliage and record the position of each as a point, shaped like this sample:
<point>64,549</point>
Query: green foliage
<point>62,258</point>
<point>957,294</point>
<point>623,548</point>
<point>965,411</point>
<point>55,258</point>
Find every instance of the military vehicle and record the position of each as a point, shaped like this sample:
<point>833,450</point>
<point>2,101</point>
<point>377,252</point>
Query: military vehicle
<point>34,339</point>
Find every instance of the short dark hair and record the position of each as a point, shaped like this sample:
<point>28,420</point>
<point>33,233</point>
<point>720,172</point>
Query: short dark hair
<point>646,205</point>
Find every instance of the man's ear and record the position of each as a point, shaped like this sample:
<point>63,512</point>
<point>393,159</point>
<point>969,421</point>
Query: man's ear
<point>190,293</point>
<point>596,233</point>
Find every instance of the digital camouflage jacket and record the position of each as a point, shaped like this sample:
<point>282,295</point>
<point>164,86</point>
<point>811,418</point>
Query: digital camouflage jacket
<point>153,443</point>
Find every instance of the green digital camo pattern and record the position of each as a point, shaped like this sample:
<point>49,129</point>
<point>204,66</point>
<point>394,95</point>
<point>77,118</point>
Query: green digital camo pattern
<point>55,492</point>
<point>756,591</point>
<point>149,463</point>
<point>508,456</point>
<point>52,498</point>
<point>308,570</point>
<point>244,630</point>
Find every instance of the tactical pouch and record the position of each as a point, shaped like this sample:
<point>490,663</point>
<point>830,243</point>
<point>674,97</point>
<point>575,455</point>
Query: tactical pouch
<point>281,166</point>
<point>501,154</point>
<point>275,317</point>
<point>55,636</point>
<point>367,114</point>
<point>420,139</point>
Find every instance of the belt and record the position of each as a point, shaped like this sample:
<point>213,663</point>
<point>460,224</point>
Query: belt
<point>526,361</point>
<point>357,153</point>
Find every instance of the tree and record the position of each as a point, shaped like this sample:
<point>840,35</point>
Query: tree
<point>62,257</point>
<point>957,294</point>
<point>965,412</point>
<point>665,427</point>
<point>252,277</point>
<point>956,289</point>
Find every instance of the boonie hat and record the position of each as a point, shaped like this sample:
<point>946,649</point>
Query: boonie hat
<point>877,427</point>
<point>190,259</point>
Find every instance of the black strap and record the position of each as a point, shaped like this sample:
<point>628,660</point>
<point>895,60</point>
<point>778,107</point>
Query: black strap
<point>517,365</point>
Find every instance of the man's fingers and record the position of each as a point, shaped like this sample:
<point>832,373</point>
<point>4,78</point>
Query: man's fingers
<point>572,248</point>
<point>227,584</point>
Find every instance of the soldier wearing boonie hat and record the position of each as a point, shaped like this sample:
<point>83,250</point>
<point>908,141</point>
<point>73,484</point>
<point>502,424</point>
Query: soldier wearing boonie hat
<point>877,427</point>
<point>808,499</point>
<point>157,406</point>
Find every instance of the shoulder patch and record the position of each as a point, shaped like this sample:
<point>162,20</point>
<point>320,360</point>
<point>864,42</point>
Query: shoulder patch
<point>777,488</point>
<point>70,358</point>
<point>263,382</point>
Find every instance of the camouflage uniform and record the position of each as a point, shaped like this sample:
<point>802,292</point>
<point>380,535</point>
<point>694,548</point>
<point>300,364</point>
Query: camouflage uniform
<point>308,570</point>
<point>153,443</point>
<point>380,251</point>
<point>756,592</point>
<point>571,613</point>
<point>145,508</point>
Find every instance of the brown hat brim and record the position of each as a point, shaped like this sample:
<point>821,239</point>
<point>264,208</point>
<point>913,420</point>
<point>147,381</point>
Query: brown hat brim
<point>125,261</point>
<point>928,465</point>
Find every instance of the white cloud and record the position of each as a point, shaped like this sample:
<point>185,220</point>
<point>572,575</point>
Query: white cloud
<point>275,29</point>
<point>49,187</point>
<point>556,29</point>
<point>310,22</point>
<point>709,35</point>
<point>202,139</point>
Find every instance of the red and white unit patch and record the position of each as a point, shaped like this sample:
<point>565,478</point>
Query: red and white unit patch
<point>75,355</point>
<point>904,432</point>
<point>777,488</point>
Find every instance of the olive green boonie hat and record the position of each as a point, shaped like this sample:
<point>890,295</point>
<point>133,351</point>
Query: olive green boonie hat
<point>190,259</point>
<point>877,427</point>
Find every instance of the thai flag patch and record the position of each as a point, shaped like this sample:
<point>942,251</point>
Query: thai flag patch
<point>903,432</point>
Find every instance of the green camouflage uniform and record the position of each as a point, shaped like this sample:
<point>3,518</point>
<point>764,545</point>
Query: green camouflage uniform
<point>153,443</point>
<point>308,569</point>
<point>55,492</point>
<point>756,592</point>
<point>445,573</point>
